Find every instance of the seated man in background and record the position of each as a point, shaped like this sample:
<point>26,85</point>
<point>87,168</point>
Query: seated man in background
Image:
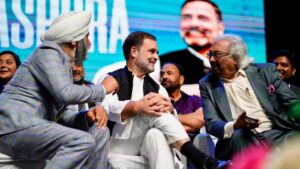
<point>189,108</point>
<point>9,63</point>
<point>79,75</point>
<point>237,90</point>
<point>41,88</point>
<point>79,78</point>
<point>286,65</point>
<point>144,128</point>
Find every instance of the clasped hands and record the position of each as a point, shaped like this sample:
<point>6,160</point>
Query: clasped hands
<point>97,115</point>
<point>153,104</point>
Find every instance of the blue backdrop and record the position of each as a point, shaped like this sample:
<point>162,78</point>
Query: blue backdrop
<point>23,21</point>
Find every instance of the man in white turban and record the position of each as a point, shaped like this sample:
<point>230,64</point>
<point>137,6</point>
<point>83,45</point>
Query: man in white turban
<point>68,27</point>
<point>74,28</point>
<point>36,117</point>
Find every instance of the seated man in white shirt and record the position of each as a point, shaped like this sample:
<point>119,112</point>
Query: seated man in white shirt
<point>144,127</point>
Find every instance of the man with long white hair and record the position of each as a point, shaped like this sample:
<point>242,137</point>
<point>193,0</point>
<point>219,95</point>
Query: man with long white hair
<point>244,103</point>
<point>38,97</point>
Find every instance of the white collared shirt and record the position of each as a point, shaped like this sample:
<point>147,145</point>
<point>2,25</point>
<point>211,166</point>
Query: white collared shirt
<point>114,107</point>
<point>242,98</point>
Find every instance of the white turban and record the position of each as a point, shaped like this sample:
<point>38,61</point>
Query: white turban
<point>68,27</point>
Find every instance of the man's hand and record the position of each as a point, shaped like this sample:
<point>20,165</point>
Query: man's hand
<point>154,104</point>
<point>98,115</point>
<point>110,84</point>
<point>165,105</point>
<point>241,122</point>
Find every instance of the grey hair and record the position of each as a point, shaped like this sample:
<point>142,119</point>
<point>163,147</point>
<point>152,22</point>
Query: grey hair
<point>237,49</point>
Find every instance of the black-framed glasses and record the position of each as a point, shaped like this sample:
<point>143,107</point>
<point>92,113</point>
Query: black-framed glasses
<point>216,54</point>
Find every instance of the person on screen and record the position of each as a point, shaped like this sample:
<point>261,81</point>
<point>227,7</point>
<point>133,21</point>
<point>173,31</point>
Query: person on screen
<point>9,63</point>
<point>144,126</point>
<point>244,103</point>
<point>286,65</point>
<point>35,99</point>
<point>200,24</point>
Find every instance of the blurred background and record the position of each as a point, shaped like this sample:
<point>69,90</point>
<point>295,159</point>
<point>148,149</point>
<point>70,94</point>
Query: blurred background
<point>23,21</point>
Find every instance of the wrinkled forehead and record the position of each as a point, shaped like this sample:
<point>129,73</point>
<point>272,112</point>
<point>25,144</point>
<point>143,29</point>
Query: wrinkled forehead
<point>221,45</point>
<point>7,56</point>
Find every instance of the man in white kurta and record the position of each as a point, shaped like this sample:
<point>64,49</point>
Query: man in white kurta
<point>144,126</point>
<point>128,135</point>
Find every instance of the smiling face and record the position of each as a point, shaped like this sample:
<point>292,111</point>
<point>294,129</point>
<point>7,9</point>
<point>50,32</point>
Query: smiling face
<point>284,67</point>
<point>199,24</point>
<point>8,67</point>
<point>221,64</point>
<point>78,74</point>
<point>145,56</point>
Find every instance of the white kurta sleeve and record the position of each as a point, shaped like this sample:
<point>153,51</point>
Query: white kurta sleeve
<point>114,107</point>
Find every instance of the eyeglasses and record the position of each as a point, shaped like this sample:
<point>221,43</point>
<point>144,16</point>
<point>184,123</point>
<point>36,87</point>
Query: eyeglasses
<point>216,54</point>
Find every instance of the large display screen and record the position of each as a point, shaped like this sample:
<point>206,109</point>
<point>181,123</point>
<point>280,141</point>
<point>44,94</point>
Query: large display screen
<point>23,21</point>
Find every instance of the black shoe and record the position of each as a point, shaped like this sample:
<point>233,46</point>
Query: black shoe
<point>211,163</point>
<point>223,164</point>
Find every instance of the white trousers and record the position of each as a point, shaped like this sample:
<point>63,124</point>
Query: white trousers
<point>149,143</point>
<point>155,154</point>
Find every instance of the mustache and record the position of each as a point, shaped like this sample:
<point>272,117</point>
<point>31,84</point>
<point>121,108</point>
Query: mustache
<point>214,64</point>
<point>164,80</point>
<point>76,72</point>
<point>152,60</point>
<point>280,71</point>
